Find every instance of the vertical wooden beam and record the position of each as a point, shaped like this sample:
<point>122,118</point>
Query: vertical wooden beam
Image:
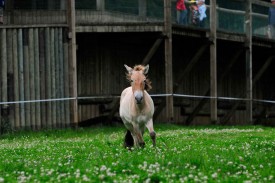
<point>213,62</point>
<point>48,77</point>
<point>168,60</point>
<point>42,66</point>
<point>4,76</point>
<point>100,5</point>
<point>37,79</point>
<point>72,61</point>
<point>32,78</point>
<point>53,76</point>
<point>27,75</point>
<point>66,78</point>
<point>10,77</point>
<point>248,58</point>
<point>142,8</point>
<point>21,78</point>
<point>16,78</point>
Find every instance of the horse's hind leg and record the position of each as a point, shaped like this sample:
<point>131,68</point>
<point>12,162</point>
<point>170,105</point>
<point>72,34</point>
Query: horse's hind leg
<point>150,127</point>
<point>128,141</point>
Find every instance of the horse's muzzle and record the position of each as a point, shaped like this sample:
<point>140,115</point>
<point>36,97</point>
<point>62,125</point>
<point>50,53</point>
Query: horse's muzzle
<point>138,96</point>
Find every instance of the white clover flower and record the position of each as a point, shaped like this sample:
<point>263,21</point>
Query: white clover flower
<point>103,168</point>
<point>214,175</point>
<point>2,179</point>
<point>230,163</point>
<point>261,166</point>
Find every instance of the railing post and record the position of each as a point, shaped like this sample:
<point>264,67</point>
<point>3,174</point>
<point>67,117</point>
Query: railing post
<point>168,60</point>
<point>142,8</point>
<point>213,62</point>
<point>100,5</point>
<point>72,61</point>
<point>248,58</point>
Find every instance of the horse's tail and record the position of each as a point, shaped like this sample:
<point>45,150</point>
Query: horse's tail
<point>128,141</point>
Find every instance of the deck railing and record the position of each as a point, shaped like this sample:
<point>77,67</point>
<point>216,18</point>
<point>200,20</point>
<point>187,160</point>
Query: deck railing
<point>228,19</point>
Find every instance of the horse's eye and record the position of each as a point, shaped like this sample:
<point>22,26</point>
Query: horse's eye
<point>132,81</point>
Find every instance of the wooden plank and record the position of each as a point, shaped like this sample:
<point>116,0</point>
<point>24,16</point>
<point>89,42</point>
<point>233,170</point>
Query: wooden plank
<point>48,77</point>
<point>10,77</point>
<point>42,69</point>
<point>72,61</point>
<point>248,58</point>
<point>57,78</point>
<point>4,78</point>
<point>37,79</point>
<point>21,78</point>
<point>32,77</point>
<point>61,77</point>
<point>66,78</point>
<point>16,78</point>
<point>53,76</point>
<point>213,62</point>
<point>168,60</point>
<point>142,8</point>
<point>27,76</point>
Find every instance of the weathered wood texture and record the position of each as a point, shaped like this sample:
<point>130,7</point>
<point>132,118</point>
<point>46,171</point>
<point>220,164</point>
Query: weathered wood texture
<point>34,66</point>
<point>101,73</point>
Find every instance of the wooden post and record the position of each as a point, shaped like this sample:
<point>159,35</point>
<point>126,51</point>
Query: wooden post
<point>48,77</point>
<point>142,8</point>
<point>4,77</point>
<point>27,64</point>
<point>21,78</point>
<point>168,60</point>
<point>37,78</point>
<point>16,78</point>
<point>32,78</point>
<point>213,63</point>
<point>248,58</point>
<point>72,61</point>
<point>100,5</point>
<point>10,77</point>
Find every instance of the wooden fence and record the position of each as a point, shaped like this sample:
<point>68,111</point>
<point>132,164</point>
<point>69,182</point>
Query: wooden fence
<point>34,72</point>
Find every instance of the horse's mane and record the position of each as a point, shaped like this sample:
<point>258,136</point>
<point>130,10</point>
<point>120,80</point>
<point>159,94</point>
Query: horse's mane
<point>148,83</point>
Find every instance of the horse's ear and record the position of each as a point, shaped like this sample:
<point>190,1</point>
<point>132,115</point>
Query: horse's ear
<point>129,69</point>
<point>146,69</point>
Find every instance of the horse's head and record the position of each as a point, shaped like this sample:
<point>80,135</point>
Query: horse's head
<point>139,82</point>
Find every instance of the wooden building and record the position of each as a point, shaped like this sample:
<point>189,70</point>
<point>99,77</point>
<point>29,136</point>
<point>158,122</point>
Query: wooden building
<point>62,62</point>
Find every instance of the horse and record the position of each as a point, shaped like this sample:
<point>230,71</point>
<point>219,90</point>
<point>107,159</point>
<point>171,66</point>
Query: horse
<point>137,107</point>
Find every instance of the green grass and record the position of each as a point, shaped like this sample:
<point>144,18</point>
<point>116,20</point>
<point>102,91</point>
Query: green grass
<point>183,154</point>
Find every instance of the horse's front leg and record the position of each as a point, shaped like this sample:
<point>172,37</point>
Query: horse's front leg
<point>139,142</point>
<point>150,127</point>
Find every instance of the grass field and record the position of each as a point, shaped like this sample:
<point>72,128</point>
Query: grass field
<point>183,154</point>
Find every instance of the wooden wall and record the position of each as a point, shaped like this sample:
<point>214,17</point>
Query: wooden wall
<point>101,73</point>
<point>34,66</point>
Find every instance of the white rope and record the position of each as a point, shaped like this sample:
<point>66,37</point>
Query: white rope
<point>33,101</point>
<point>152,95</point>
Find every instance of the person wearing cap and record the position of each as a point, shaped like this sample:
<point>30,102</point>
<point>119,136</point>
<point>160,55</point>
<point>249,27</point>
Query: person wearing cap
<point>182,12</point>
<point>271,21</point>
<point>202,12</point>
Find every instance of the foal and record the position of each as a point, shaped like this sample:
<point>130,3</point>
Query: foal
<point>137,107</point>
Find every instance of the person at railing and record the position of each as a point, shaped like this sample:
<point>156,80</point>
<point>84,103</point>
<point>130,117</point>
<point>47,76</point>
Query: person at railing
<point>271,21</point>
<point>202,12</point>
<point>2,4</point>
<point>181,11</point>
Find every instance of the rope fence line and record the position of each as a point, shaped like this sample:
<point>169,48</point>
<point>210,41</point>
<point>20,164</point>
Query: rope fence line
<point>152,95</point>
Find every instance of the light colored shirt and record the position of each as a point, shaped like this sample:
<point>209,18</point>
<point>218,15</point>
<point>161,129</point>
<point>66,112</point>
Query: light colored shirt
<point>202,11</point>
